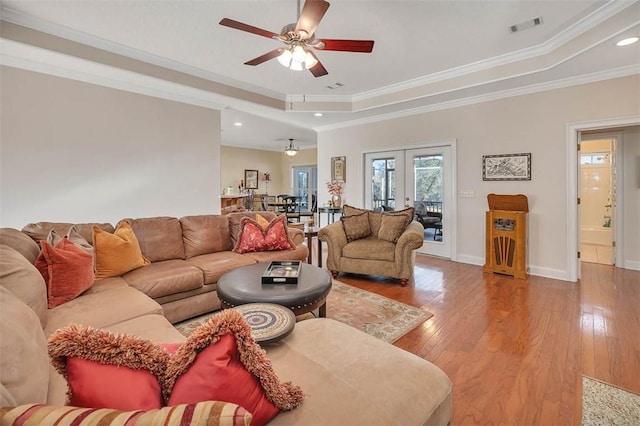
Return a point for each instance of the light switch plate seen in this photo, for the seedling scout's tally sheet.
(467, 194)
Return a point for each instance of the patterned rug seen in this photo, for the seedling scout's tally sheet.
(603, 404)
(376, 315)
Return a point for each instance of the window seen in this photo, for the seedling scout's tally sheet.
(594, 158)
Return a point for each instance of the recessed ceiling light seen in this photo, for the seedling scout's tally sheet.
(237, 124)
(627, 41)
(318, 114)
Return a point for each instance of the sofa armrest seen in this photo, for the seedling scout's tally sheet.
(296, 235)
(336, 239)
(411, 239)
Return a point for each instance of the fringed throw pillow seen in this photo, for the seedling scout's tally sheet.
(219, 361)
(253, 237)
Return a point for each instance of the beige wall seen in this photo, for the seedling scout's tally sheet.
(236, 160)
(77, 152)
(535, 123)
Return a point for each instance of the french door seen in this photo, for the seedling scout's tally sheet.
(421, 178)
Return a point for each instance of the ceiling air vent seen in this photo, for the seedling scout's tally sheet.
(526, 25)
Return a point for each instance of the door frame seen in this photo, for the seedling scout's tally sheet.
(573, 135)
(617, 203)
(452, 143)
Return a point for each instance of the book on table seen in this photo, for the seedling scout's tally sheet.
(282, 272)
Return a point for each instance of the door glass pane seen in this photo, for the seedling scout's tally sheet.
(383, 183)
(428, 194)
(304, 185)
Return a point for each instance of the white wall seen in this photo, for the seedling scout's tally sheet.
(76, 152)
(535, 123)
(631, 213)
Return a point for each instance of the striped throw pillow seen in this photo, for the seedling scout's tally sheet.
(206, 412)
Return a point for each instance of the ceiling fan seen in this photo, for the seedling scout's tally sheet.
(299, 38)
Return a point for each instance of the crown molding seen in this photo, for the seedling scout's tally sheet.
(608, 10)
(10, 15)
(524, 90)
(31, 58)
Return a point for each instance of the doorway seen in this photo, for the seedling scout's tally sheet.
(422, 178)
(597, 199)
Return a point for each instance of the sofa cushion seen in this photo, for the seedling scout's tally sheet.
(370, 248)
(214, 265)
(40, 231)
(20, 242)
(356, 226)
(300, 252)
(315, 356)
(160, 238)
(205, 234)
(166, 277)
(254, 237)
(19, 276)
(67, 270)
(211, 413)
(392, 226)
(102, 309)
(117, 253)
(24, 366)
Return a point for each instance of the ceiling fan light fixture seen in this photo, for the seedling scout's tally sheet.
(299, 54)
(310, 61)
(285, 58)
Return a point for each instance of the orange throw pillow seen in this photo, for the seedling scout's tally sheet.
(67, 270)
(117, 253)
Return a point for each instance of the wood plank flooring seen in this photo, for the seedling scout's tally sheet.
(515, 350)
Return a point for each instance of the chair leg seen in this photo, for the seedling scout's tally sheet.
(404, 282)
(334, 274)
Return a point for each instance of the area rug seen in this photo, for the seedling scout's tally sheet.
(376, 315)
(603, 404)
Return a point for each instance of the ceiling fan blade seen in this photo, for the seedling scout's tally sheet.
(248, 28)
(363, 46)
(318, 70)
(311, 15)
(264, 58)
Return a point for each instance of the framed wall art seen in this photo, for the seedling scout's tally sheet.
(339, 169)
(506, 167)
(251, 179)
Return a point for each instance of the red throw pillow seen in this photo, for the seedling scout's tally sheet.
(220, 360)
(253, 237)
(106, 370)
(67, 270)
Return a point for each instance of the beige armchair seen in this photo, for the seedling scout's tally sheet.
(373, 243)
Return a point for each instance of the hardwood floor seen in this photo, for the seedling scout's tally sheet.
(515, 350)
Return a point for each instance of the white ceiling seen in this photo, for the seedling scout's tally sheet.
(427, 54)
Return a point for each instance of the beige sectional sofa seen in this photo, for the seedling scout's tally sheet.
(348, 376)
(187, 255)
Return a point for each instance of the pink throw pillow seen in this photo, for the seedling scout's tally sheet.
(253, 237)
(67, 270)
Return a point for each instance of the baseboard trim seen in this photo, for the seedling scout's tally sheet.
(632, 264)
(472, 260)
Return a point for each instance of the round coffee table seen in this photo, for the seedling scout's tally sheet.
(243, 285)
(269, 322)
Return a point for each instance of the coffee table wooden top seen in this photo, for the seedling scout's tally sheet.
(243, 285)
